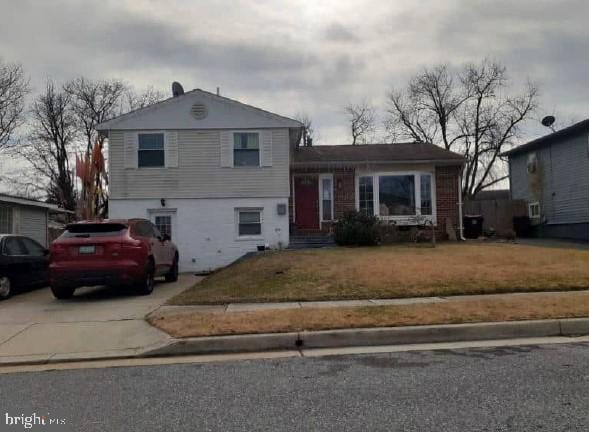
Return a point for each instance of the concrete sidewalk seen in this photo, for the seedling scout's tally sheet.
(96, 323)
(251, 307)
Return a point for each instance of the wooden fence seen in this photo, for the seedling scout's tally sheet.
(498, 214)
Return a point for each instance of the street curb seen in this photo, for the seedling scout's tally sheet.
(374, 337)
(226, 344)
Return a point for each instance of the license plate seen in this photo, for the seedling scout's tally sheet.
(84, 250)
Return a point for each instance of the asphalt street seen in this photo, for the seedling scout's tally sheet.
(525, 388)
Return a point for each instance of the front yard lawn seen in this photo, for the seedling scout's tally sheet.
(392, 271)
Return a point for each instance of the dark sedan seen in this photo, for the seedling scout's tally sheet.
(23, 263)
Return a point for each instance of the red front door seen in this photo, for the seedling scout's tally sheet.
(307, 202)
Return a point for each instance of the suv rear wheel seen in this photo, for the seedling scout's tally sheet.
(62, 292)
(146, 284)
(172, 275)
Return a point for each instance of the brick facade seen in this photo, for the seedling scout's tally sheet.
(447, 197)
(344, 186)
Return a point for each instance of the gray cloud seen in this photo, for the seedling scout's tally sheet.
(339, 33)
(316, 60)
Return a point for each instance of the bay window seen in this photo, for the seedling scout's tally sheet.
(396, 196)
(426, 194)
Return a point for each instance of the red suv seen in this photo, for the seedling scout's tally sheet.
(111, 252)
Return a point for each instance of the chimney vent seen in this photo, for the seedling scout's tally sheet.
(218, 91)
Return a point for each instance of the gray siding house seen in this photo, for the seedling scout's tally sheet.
(26, 217)
(551, 174)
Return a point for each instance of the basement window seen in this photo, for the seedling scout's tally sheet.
(249, 222)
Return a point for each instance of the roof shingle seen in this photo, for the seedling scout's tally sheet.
(401, 152)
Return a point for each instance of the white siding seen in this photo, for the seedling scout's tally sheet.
(32, 222)
(200, 173)
(205, 229)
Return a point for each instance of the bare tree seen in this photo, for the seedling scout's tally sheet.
(469, 112)
(13, 88)
(362, 120)
(51, 143)
(137, 100)
(308, 131)
(94, 102)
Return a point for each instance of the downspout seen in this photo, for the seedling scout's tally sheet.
(460, 224)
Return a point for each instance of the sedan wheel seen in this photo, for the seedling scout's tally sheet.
(5, 288)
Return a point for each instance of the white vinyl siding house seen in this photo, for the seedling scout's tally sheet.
(218, 177)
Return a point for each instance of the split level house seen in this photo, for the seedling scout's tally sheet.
(223, 178)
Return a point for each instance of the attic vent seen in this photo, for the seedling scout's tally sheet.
(199, 111)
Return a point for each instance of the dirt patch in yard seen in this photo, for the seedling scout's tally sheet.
(514, 308)
(392, 271)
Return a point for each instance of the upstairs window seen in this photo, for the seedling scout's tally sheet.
(246, 149)
(151, 153)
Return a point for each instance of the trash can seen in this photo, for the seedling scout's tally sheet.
(522, 226)
(473, 226)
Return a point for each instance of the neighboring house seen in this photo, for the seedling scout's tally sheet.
(219, 175)
(26, 217)
(551, 174)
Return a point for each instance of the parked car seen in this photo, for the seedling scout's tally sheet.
(23, 263)
(111, 252)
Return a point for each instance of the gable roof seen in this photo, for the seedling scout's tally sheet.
(176, 113)
(4, 198)
(376, 153)
(554, 137)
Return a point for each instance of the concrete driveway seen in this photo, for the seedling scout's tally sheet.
(98, 322)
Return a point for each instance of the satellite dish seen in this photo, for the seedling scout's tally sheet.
(548, 121)
(177, 89)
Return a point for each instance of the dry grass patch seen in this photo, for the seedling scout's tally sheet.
(541, 306)
(392, 271)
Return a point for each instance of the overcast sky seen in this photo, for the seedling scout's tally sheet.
(290, 56)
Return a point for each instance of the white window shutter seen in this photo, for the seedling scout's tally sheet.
(171, 146)
(130, 150)
(266, 148)
(226, 149)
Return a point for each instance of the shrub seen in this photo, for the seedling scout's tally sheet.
(356, 229)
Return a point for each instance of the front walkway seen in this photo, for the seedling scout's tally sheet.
(250, 307)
